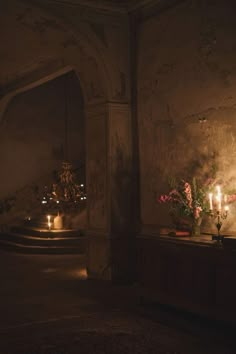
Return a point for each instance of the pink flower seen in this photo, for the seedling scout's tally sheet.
(164, 198)
(174, 192)
(188, 192)
(231, 198)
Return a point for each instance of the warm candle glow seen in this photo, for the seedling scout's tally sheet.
(210, 201)
(217, 213)
(218, 197)
(49, 221)
(58, 222)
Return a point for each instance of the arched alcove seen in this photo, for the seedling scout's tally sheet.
(41, 127)
(46, 48)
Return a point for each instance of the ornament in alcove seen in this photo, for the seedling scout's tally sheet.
(66, 194)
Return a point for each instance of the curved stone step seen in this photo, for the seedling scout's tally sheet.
(18, 247)
(44, 233)
(41, 241)
(34, 240)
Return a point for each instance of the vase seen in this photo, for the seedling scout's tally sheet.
(196, 227)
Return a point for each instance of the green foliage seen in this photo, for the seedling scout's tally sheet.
(186, 198)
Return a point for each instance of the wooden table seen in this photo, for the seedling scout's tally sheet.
(192, 273)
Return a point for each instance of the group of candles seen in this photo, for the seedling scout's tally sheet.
(57, 223)
(218, 198)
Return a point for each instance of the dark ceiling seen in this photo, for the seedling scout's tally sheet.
(111, 4)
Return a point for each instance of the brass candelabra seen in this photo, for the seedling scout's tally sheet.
(219, 216)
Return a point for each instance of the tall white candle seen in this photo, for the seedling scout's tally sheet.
(49, 221)
(218, 197)
(218, 189)
(210, 201)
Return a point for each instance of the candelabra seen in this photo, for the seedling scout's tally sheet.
(215, 202)
(219, 216)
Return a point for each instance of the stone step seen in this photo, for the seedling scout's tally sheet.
(34, 240)
(29, 249)
(41, 241)
(44, 233)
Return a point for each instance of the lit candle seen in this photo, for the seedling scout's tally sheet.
(210, 201)
(226, 208)
(49, 221)
(218, 197)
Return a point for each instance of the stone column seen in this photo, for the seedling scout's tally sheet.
(109, 191)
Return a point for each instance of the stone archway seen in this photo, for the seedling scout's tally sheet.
(108, 127)
(34, 143)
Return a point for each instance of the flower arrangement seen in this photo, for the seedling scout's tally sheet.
(188, 203)
(186, 199)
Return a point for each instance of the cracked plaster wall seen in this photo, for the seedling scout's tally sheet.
(186, 73)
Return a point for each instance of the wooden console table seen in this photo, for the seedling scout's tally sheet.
(193, 274)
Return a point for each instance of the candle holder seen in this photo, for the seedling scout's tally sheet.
(219, 216)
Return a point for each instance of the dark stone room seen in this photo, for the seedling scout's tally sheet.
(118, 176)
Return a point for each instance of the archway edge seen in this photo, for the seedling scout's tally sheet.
(5, 101)
(85, 54)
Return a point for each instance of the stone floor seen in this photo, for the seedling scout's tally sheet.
(48, 307)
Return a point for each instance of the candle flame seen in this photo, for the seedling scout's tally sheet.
(49, 221)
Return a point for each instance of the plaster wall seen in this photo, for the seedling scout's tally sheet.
(39, 38)
(186, 75)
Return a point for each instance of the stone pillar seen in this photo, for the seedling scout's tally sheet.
(109, 192)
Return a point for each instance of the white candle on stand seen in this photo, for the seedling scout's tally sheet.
(210, 201)
(49, 221)
(218, 197)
